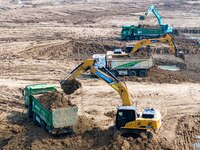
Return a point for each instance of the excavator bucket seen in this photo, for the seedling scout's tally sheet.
(70, 87)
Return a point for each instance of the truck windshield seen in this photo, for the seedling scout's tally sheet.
(125, 29)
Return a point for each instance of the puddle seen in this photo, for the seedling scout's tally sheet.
(171, 68)
(196, 145)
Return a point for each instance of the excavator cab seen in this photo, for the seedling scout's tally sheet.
(128, 48)
(124, 115)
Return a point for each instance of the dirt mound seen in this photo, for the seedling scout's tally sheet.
(72, 50)
(55, 99)
(92, 112)
(157, 75)
(179, 31)
(70, 87)
(131, 143)
(168, 60)
(83, 125)
(193, 67)
(188, 46)
(89, 136)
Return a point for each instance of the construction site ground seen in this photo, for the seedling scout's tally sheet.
(41, 41)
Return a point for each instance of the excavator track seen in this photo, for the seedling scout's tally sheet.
(133, 132)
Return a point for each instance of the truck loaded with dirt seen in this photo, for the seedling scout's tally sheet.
(42, 41)
(50, 108)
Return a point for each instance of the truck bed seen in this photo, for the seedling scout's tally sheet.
(130, 63)
(57, 118)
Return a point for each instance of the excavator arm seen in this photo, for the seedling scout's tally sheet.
(167, 39)
(153, 10)
(127, 120)
(108, 77)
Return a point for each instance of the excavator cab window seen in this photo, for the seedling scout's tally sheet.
(117, 51)
(128, 49)
(124, 116)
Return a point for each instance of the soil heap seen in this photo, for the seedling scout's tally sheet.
(55, 99)
(157, 75)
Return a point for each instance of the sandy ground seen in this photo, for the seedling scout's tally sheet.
(40, 42)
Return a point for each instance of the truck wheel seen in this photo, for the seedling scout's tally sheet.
(70, 132)
(128, 38)
(142, 73)
(42, 124)
(132, 73)
(114, 72)
(30, 113)
(34, 117)
(25, 106)
(139, 37)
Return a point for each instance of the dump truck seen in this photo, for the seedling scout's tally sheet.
(120, 63)
(54, 121)
(132, 32)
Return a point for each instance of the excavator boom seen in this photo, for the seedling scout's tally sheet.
(167, 39)
(153, 10)
(108, 77)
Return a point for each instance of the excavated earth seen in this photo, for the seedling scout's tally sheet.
(42, 41)
(55, 99)
(89, 136)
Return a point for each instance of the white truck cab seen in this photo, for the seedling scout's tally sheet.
(101, 59)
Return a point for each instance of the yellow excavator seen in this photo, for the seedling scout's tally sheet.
(166, 39)
(128, 120)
